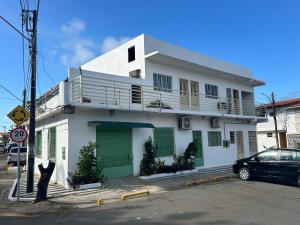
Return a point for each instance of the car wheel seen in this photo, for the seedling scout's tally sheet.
(244, 173)
(298, 181)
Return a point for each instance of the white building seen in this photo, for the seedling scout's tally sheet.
(288, 125)
(147, 87)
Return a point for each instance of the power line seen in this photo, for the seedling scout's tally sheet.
(44, 69)
(12, 26)
(10, 92)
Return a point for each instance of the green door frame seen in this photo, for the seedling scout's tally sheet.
(197, 138)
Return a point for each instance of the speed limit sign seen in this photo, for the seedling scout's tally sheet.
(18, 134)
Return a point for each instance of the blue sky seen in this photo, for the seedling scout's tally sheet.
(262, 35)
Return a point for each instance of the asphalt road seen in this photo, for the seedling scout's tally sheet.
(228, 202)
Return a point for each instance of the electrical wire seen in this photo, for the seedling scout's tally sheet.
(44, 69)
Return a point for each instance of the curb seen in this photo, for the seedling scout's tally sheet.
(14, 199)
(209, 180)
(135, 194)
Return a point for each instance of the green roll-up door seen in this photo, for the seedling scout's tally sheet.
(114, 151)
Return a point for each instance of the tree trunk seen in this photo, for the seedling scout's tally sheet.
(42, 185)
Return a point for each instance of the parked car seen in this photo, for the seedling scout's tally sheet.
(2, 149)
(11, 146)
(12, 157)
(281, 164)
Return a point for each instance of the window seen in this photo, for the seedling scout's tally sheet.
(131, 54)
(214, 138)
(38, 148)
(136, 94)
(269, 155)
(211, 91)
(269, 134)
(52, 143)
(290, 155)
(162, 82)
(164, 141)
(232, 137)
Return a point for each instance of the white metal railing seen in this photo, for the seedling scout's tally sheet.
(124, 95)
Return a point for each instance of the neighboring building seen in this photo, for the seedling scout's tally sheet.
(288, 125)
(143, 88)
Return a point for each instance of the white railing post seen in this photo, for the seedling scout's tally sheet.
(159, 101)
(129, 99)
(119, 98)
(142, 96)
(105, 96)
(81, 91)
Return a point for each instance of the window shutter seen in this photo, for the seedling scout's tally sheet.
(164, 141)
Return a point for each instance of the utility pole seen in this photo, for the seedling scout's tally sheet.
(31, 141)
(275, 119)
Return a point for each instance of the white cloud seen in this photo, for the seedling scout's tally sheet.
(73, 27)
(74, 49)
(77, 52)
(110, 43)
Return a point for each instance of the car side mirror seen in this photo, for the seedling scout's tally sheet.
(256, 159)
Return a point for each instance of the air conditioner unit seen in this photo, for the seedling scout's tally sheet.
(41, 110)
(135, 73)
(214, 122)
(184, 123)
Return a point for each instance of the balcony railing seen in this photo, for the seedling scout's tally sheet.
(112, 94)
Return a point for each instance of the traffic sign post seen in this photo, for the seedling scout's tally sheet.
(18, 135)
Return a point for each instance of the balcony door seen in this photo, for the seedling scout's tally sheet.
(233, 101)
(184, 94)
(195, 96)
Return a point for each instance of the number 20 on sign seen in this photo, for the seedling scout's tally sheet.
(18, 134)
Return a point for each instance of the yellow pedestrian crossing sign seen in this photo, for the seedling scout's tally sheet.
(18, 115)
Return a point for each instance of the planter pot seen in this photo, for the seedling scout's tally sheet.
(89, 186)
(165, 175)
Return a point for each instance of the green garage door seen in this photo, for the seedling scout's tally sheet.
(113, 151)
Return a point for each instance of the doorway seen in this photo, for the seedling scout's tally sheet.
(282, 139)
(184, 94)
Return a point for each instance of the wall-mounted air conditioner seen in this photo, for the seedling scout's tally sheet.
(135, 73)
(184, 123)
(214, 122)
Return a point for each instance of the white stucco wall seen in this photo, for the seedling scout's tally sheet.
(81, 133)
(116, 61)
(59, 121)
(179, 73)
(152, 44)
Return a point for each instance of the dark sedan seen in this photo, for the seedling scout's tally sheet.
(272, 163)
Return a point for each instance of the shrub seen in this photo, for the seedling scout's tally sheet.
(148, 164)
(87, 168)
(74, 180)
(298, 145)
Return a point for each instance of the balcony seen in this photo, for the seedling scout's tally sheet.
(105, 93)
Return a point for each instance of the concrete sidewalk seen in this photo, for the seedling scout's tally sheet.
(112, 189)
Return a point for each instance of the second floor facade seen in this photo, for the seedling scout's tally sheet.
(146, 74)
